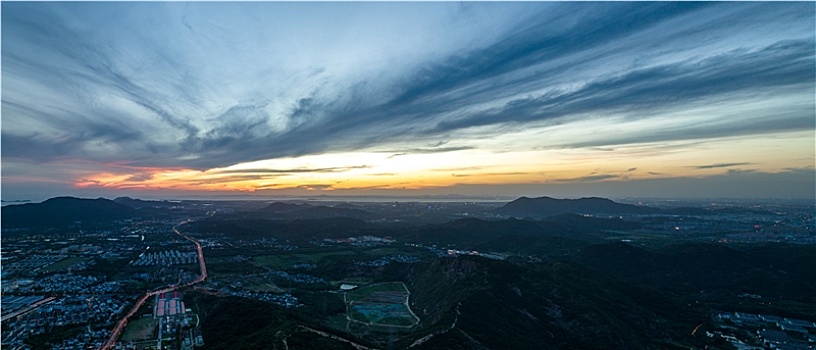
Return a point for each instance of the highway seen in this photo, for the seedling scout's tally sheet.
(28, 309)
(117, 331)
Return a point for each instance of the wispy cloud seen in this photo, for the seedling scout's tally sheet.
(429, 150)
(663, 87)
(589, 178)
(721, 165)
(287, 171)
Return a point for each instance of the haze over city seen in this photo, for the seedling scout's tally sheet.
(477, 99)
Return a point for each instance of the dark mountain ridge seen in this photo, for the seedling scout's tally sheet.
(554, 235)
(546, 206)
(61, 211)
(136, 203)
(542, 207)
(499, 305)
(691, 267)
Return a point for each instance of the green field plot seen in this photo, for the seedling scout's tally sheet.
(141, 329)
(285, 261)
(397, 250)
(229, 268)
(257, 284)
(362, 293)
(382, 314)
(62, 264)
(383, 304)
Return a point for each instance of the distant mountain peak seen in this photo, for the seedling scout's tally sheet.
(64, 198)
(548, 206)
(140, 203)
(65, 210)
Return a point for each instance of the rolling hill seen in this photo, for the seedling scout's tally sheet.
(61, 211)
(477, 303)
(546, 206)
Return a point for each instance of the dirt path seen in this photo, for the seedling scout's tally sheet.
(338, 338)
(429, 336)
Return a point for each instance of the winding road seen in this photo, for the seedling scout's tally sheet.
(117, 331)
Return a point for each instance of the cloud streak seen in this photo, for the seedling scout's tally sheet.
(288, 171)
(663, 87)
(721, 165)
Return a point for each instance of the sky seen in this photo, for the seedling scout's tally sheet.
(615, 99)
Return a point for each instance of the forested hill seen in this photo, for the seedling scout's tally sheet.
(60, 211)
(547, 206)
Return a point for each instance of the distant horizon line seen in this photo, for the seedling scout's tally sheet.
(388, 198)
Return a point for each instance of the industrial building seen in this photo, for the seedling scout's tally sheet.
(168, 304)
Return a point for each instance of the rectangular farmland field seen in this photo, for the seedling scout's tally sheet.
(383, 304)
(382, 314)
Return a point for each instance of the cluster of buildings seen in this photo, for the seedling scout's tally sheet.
(83, 248)
(91, 339)
(40, 315)
(770, 236)
(494, 256)
(781, 340)
(265, 242)
(285, 299)
(173, 317)
(59, 281)
(192, 338)
(63, 283)
(439, 251)
(738, 224)
(388, 259)
(304, 266)
(761, 320)
(362, 241)
(772, 331)
(295, 277)
(442, 251)
(169, 304)
(33, 263)
(166, 258)
(13, 303)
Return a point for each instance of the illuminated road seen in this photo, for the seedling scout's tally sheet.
(117, 331)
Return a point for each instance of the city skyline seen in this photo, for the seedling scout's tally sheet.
(478, 99)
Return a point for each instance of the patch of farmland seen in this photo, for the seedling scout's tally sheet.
(383, 304)
(382, 314)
